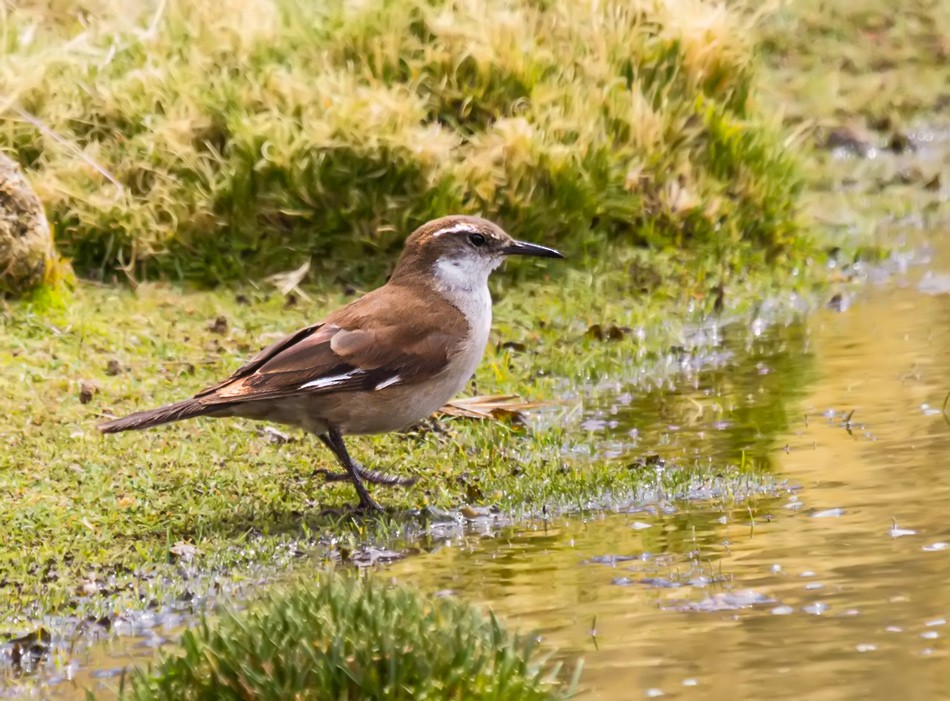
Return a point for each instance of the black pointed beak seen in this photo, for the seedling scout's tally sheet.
(523, 248)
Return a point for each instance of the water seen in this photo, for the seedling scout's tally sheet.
(835, 588)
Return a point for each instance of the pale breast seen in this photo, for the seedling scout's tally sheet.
(476, 306)
(398, 406)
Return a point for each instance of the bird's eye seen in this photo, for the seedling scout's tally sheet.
(477, 240)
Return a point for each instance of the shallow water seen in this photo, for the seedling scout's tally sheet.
(837, 586)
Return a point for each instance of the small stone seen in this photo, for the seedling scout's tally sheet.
(838, 303)
(607, 333)
(219, 325)
(87, 390)
(900, 142)
(27, 256)
(851, 139)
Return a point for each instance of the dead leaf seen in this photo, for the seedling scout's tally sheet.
(275, 436)
(497, 407)
(289, 281)
(474, 512)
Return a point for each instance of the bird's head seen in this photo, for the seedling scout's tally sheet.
(461, 251)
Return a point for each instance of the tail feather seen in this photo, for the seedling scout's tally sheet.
(185, 409)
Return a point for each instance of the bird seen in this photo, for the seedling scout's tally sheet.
(381, 363)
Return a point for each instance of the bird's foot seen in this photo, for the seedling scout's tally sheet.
(368, 505)
(371, 476)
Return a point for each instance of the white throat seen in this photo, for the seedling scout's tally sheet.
(464, 283)
(469, 273)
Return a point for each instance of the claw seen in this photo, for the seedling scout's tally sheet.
(367, 505)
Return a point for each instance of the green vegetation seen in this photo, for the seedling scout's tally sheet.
(835, 61)
(863, 78)
(217, 142)
(340, 638)
(210, 141)
(101, 512)
(206, 143)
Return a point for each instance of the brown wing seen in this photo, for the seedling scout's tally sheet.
(376, 342)
(262, 357)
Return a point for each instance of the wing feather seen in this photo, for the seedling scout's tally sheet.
(372, 344)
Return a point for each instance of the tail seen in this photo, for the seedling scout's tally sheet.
(186, 409)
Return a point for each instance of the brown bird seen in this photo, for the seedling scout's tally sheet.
(381, 363)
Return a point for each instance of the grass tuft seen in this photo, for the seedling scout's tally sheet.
(217, 142)
(342, 638)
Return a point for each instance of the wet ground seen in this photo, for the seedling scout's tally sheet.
(825, 577)
(834, 587)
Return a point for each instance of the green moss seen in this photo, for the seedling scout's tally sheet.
(340, 638)
(248, 137)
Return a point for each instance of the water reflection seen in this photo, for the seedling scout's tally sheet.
(729, 412)
(835, 590)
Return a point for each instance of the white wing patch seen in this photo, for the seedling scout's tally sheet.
(332, 381)
(456, 228)
(387, 383)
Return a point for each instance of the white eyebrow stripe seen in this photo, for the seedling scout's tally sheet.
(331, 381)
(386, 383)
(457, 228)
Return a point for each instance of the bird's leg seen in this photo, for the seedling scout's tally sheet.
(371, 476)
(333, 439)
